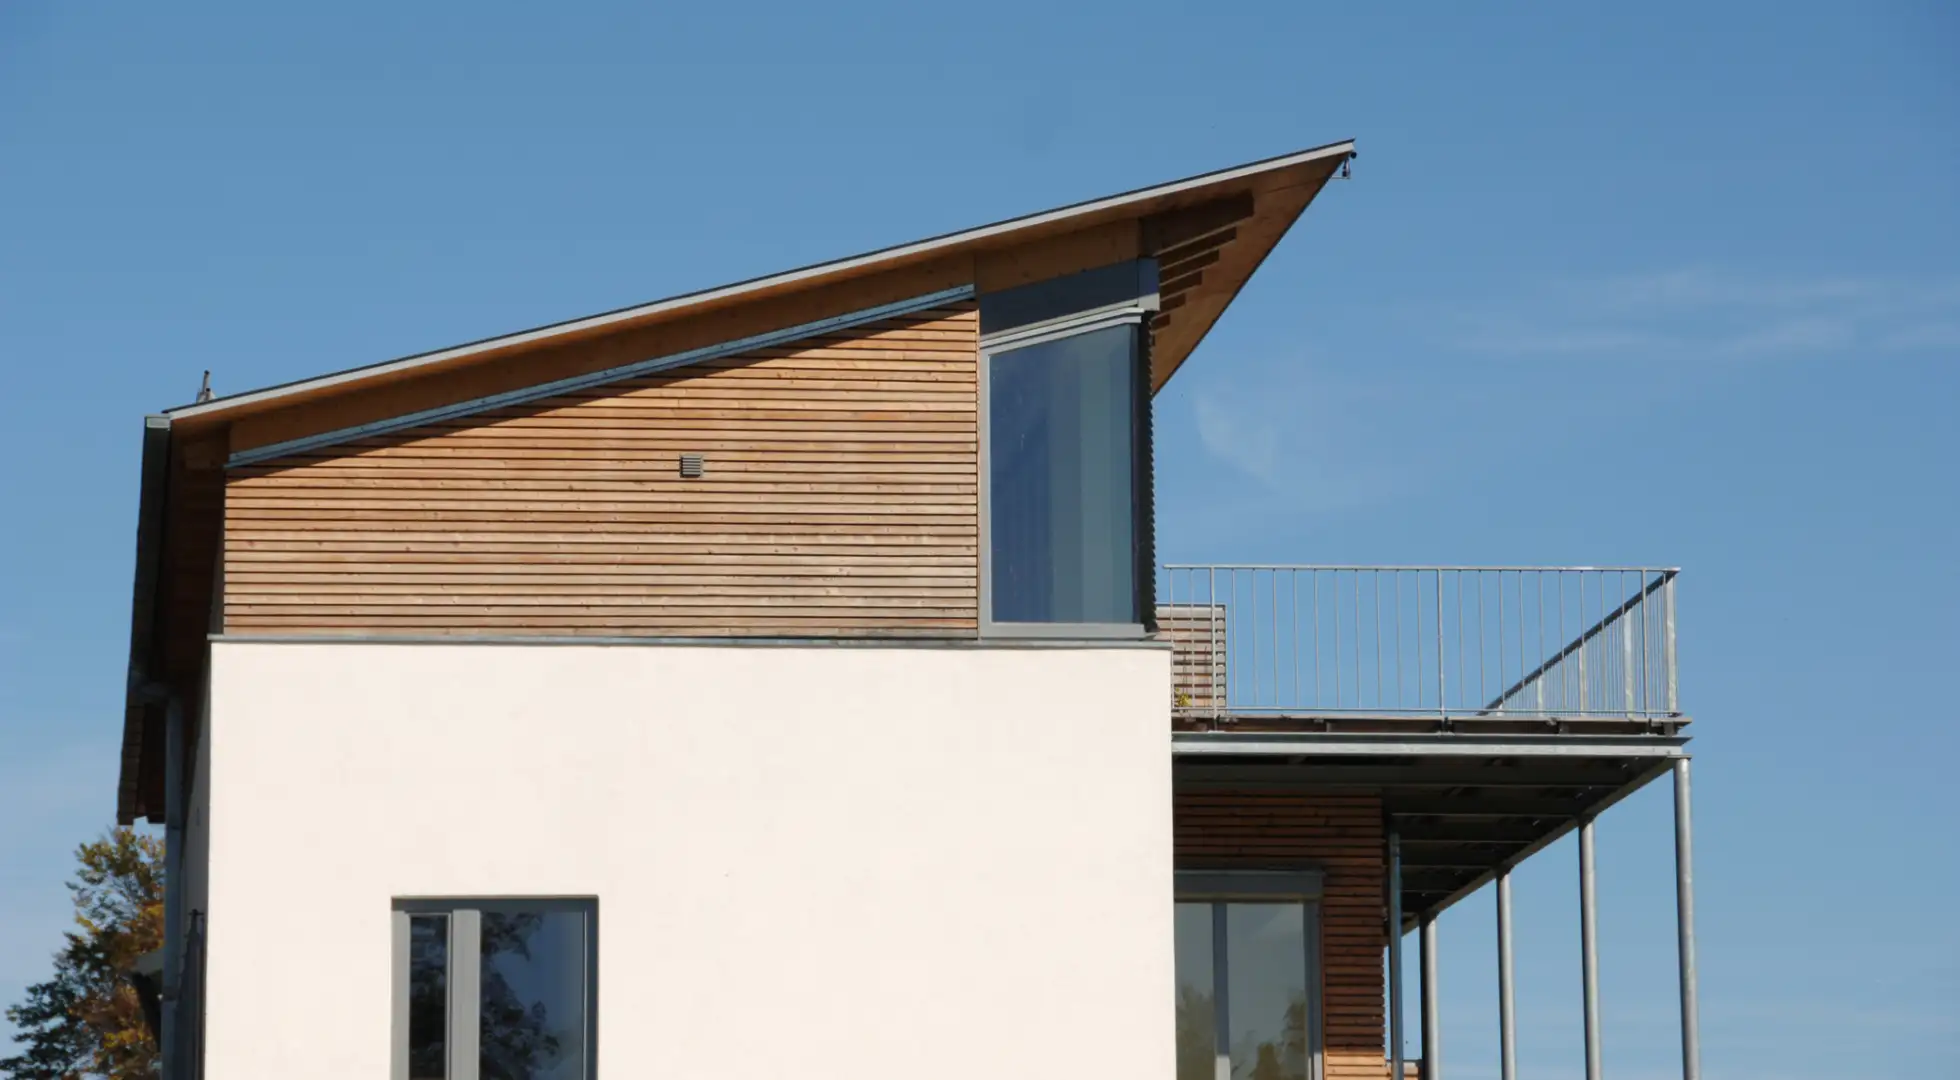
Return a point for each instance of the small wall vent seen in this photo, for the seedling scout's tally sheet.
(692, 465)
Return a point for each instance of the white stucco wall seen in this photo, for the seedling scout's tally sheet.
(858, 863)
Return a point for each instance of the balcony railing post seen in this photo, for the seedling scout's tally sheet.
(1214, 642)
(1585, 691)
(1626, 650)
(1667, 609)
(1646, 658)
(1539, 578)
(1442, 670)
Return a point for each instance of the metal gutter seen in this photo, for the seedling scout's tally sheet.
(915, 250)
(618, 641)
(591, 379)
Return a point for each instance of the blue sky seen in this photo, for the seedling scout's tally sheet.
(1666, 285)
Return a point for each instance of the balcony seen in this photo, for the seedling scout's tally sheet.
(1490, 709)
(1411, 649)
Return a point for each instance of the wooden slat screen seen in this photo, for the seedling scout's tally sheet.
(1197, 636)
(840, 498)
(1340, 834)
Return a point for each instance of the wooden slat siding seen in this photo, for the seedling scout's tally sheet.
(840, 498)
(1197, 636)
(1340, 834)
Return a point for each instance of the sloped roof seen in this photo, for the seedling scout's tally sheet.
(1287, 182)
(1208, 233)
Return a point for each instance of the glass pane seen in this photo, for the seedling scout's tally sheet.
(1061, 442)
(428, 997)
(1197, 1043)
(534, 985)
(1266, 990)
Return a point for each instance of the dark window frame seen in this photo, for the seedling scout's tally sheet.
(1133, 289)
(1220, 890)
(464, 975)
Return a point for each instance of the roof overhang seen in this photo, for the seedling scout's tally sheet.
(1272, 193)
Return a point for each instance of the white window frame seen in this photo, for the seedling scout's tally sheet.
(465, 973)
(1130, 312)
(1221, 889)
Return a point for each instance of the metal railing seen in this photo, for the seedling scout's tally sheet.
(1419, 641)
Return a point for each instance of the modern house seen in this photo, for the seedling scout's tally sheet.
(780, 679)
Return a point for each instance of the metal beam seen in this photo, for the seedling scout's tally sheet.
(1555, 833)
(1332, 744)
(1684, 901)
(1537, 774)
(1463, 861)
(1402, 807)
(1421, 833)
(1432, 879)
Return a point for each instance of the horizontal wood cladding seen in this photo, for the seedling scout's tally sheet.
(839, 497)
(1342, 836)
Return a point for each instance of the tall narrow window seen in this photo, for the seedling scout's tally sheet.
(428, 997)
(495, 989)
(1064, 455)
(1248, 995)
(1197, 999)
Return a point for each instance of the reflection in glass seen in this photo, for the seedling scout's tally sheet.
(428, 997)
(533, 1007)
(1061, 492)
(1266, 988)
(1197, 1043)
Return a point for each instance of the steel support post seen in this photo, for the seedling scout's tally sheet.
(1589, 947)
(1684, 906)
(1507, 1026)
(1432, 1015)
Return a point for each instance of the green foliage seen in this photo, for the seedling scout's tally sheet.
(86, 1021)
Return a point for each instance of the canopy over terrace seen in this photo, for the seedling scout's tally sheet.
(1465, 806)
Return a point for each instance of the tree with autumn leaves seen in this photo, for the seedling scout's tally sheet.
(87, 1020)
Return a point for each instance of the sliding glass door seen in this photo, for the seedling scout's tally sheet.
(1248, 984)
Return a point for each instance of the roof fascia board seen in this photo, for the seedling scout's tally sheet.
(153, 490)
(901, 253)
(591, 379)
(1192, 744)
